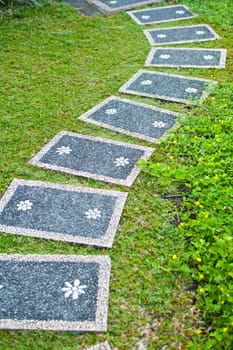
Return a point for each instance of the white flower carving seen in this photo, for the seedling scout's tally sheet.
(180, 12)
(93, 213)
(164, 57)
(161, 35)
(73, 290)
(63, 150)
(208, 57)
(146, 82)
(200, 32)
(191, 90)
(1, 286)
(113, 2)
(24, 205)
(121, 161)
(145, 17)
(111, 111)
(158, 124)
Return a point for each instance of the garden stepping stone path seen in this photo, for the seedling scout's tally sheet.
(84, 7)
(131, 118)
(189, 58)
(168, 87)
(54, 292)
(102, 346)
(161, 14)
(61, 212)
(179, 35)
(92, 157)
(118, 5)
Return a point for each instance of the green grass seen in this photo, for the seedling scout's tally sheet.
(55, 65)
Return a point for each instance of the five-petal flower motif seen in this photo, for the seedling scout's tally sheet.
(165, 57)
(180, 12)
(200, 32)
(208, 57)
(111, 111)
(113, 2)
(121, 161)
(161, 35)
(146, 82)
(158, 124)
(93, 213)
(24, 205)
(1, 286)
(145, 17)
(74, 290)
(191, 90)
(63, 150)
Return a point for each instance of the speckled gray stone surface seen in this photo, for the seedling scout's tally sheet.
(161, 14)
(118, 5)
(96, 158)
(101, 346)
(54, 292)
(131, 118)
(169, 87)
(176, 35)
(61, 212)
(190, 58)
(85, 7)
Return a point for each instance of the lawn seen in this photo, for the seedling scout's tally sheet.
(55, 65)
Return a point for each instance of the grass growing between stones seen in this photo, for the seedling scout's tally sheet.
(55, 65)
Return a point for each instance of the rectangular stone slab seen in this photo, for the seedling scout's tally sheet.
(132, 118)
(187, 58)
(118, 5)
(54, 292)
(101, 346)
(161, 14)
(168, 87)
(61, 212)
(92, 157)
(178, 35)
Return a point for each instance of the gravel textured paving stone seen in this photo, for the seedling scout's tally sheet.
(54, 292)
(102, 346)
(161, 14)
(187, 58)
(168, 87)
(132, 118)
(92, 157)
(118, 5)
(179, 35)
(85, 7)
(61, 212)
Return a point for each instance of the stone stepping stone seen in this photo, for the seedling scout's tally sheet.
(170, 87)
(131, 118)
(102, 346)
(162, 14)
(178, 35)
(118, 5)
(61, 212)
(92, 157)
(54, 292)
(187, 58)
(85, 7)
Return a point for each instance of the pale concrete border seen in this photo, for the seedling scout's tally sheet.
(135, 18)
(151, 40)
(222, 61)
(99, 325)
(85, 117)
(127, 182)
(105, 241)
(129, 6)
(125, 88)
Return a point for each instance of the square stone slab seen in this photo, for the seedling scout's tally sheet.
(131, 118)
(178, 35)
(170, 87)
(92, 157)
(187, 58)
(102, 346)
(61, 212)
(161, 14)
(118, 5)
(54, 292)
